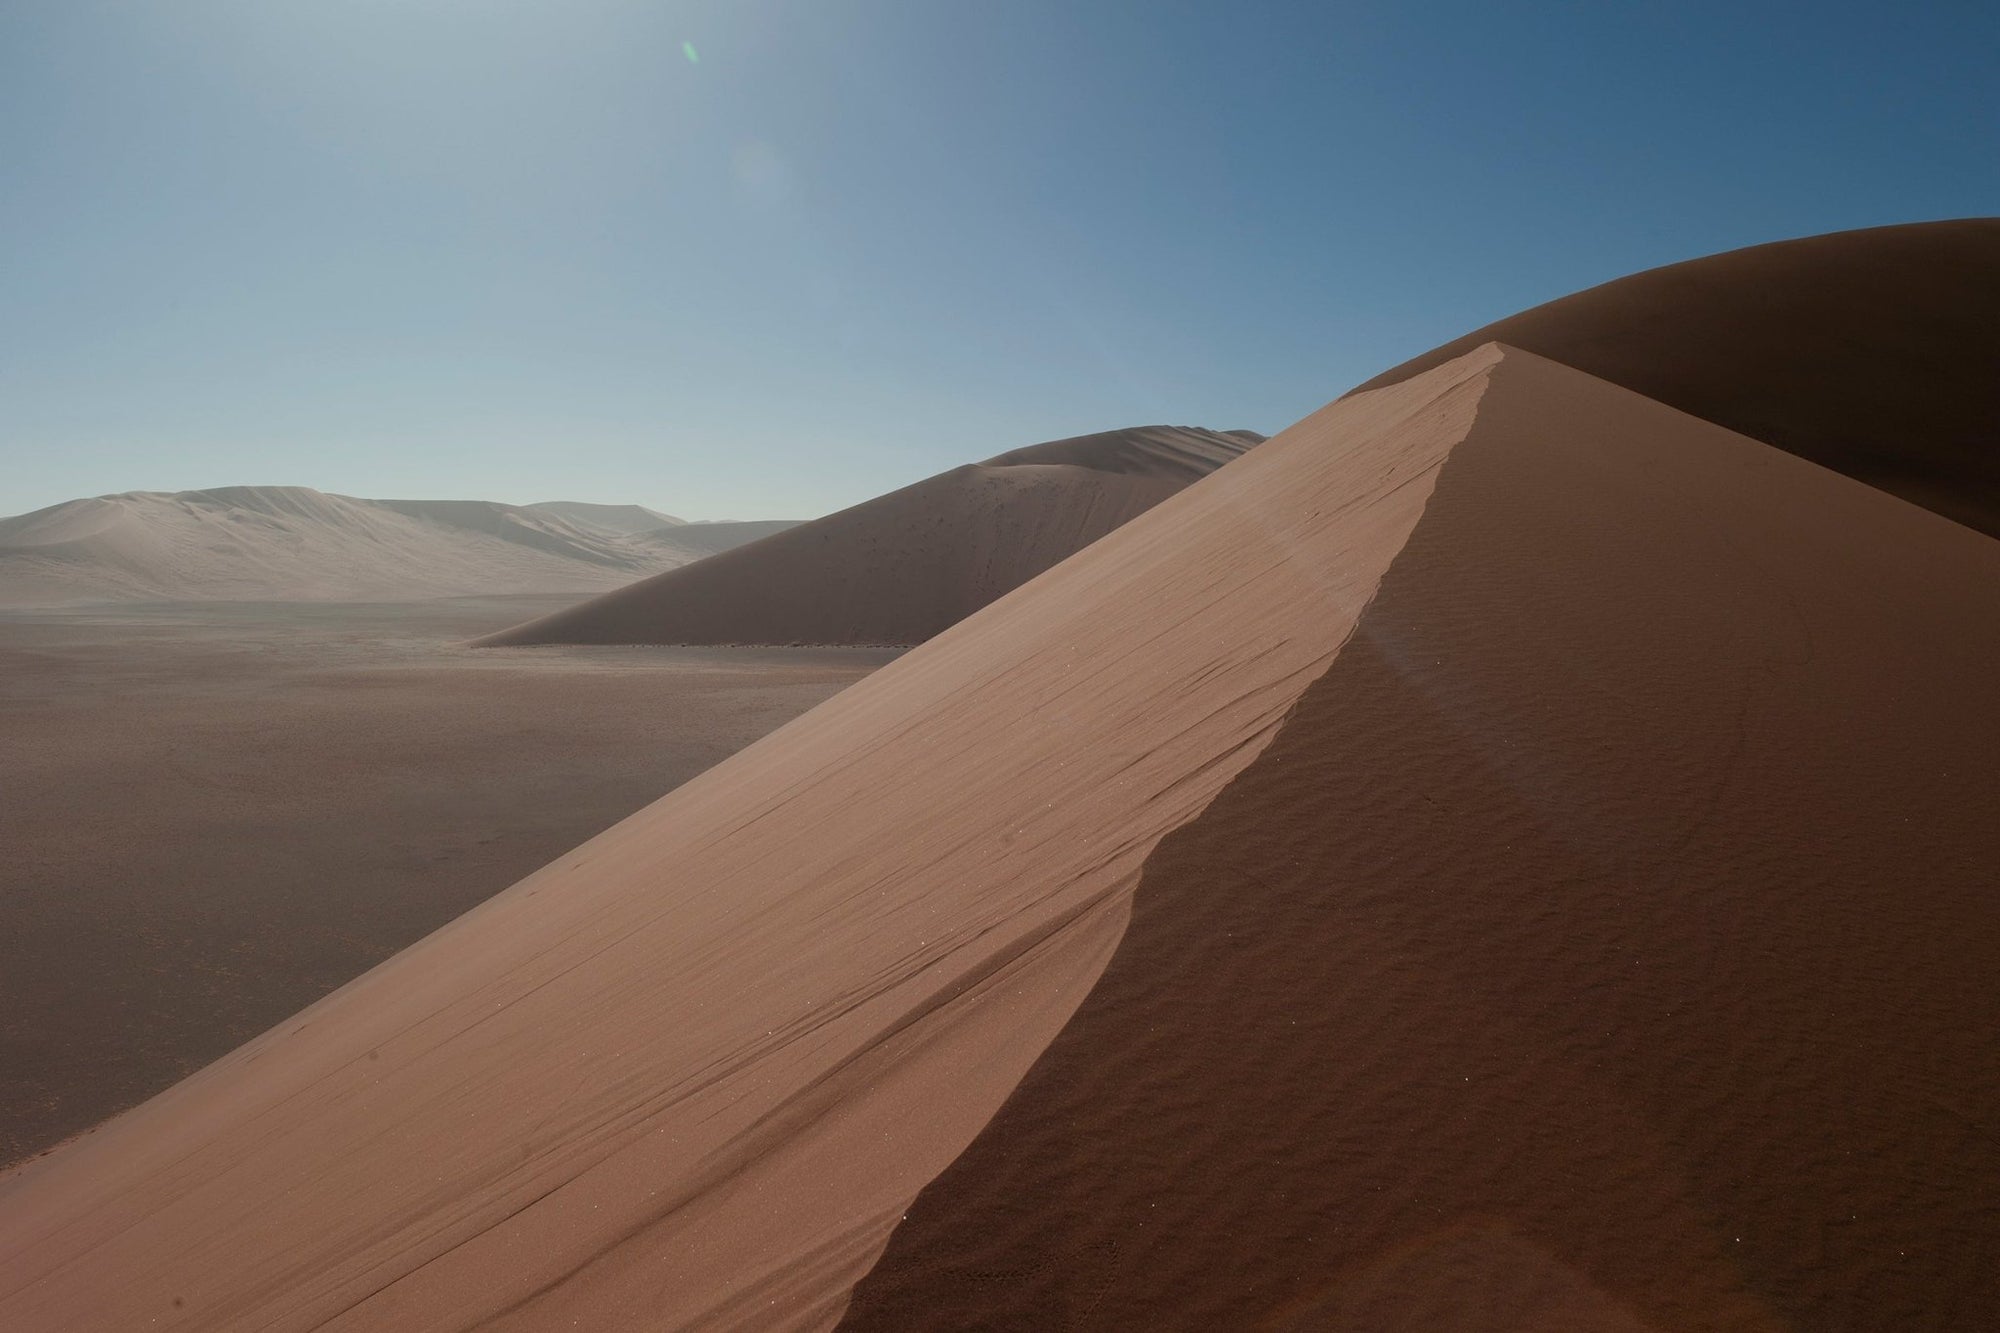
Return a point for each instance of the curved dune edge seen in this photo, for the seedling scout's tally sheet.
(696, 1069)
(903, 567)
(1605, 941)
(1869, 352)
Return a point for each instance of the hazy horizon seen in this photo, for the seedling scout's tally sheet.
(769, 259)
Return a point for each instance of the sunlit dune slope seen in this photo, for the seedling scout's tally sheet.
(904, 566)
(1606, 941)
(1875, 353)
(698, 1068)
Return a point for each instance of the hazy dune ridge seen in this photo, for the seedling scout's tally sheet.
(904, 566)
(292, 543)
(1875, 353)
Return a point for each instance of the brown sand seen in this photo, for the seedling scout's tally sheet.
(904, 566)
(1875, 353)
(291, 543)
(1607, 940)
(215, 814)
(698, 1067)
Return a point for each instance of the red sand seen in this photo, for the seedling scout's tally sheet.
(1601, 936)
(698, 1067)
(1875, 353)
(1607, 940)
(904, 566)
(216, 813)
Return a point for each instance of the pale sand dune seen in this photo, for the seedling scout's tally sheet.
(611, 518)
(292, 543)
(698, 1067)
(1875, 353)
(1606, 941)
(904, 566)
(698, 541)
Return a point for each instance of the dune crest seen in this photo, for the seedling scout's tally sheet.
(1604, 942)
(902, 567)
(696, 1069)
(1869, 352)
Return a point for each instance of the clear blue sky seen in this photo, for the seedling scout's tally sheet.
(527, 251)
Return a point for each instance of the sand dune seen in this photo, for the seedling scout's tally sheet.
(1869, 352)
(1606, 941)
(610, 518)
(699, 1066)
(291, 543)
(698, 541)
(904, 566)
(1505, 853)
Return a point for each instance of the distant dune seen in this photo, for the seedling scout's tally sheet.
(904, 566)
(291, 543)
(1875, 353)
(1504, 854)
(698, 541)
(611, 518)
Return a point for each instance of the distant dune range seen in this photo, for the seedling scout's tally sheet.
(906, 565)
(292, 543)
(1875, 353)
(1505, 854)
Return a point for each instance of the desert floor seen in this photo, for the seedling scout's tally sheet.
(215, 813)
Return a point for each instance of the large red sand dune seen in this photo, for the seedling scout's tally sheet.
(698, 1067)
(1596, 931)
(1875, 353)
(1607, 940)
(292, 543)
(904, 566)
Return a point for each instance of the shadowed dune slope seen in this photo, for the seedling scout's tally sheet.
(1870, 352)
(697, 1069)
(1606, 940)
(293, 543)
(904, 566)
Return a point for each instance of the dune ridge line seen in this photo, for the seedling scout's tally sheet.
(696, 1069)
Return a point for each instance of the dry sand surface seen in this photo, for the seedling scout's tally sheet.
(1606, 941)
(214, 814)
(904, 566)
(1875, 353)
(699, 1066)
(292, 543)
(1504, 854)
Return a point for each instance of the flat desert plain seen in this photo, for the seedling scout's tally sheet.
(218, 812)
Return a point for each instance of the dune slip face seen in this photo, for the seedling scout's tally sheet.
(694, 1072)
(904, 566)
(1606, 941)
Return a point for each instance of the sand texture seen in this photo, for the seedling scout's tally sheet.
(904, 566)
(1875, 353)
(696, 1069)
(291, 543)
(215, 813)
(1606, 941)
